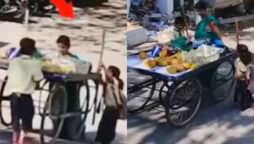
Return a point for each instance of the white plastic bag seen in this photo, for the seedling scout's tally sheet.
(203, 55)
(166, 35)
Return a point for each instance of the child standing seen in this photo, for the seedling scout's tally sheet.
(23, 73)
(107, 126)
(243, 62)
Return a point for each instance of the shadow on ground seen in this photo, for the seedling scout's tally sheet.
(220, 123)
(120, 139)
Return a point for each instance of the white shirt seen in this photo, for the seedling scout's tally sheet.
(177, 34)
(241, 68)
(23, 73)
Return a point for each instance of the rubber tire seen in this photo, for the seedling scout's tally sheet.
(168, 99)
(4, 122)
(223, 97)
(45, 113)
(145, 102)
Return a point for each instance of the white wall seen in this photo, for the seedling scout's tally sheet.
(165, 6)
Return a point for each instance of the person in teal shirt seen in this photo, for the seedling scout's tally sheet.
(208, 27)
(63, 43)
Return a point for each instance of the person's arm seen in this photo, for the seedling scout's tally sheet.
(242, 76)
(107, 75)
(38, 55)
(102, 79)
(215, 29)
(37, 73)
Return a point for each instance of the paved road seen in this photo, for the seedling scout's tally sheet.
(85, 32)
(214, 124)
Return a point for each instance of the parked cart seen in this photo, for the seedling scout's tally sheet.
(180, 94)
(53, 101)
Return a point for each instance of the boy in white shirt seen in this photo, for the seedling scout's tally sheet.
(243, 70)
(23, 74)
(179, 28)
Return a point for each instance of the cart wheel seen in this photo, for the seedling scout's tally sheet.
(222, 82)
(55, 106)
(163, 93)
(161, 96)
(137, 100)
(84, 107)
(5, 101)
(183, 102)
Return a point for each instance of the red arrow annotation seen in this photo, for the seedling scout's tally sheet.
(65, 8)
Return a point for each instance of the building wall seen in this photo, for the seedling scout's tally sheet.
(165, 6)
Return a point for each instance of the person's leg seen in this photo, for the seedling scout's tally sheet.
(241, 95)
(21, 137)
(70, 129)
(102, 127)
(15, 117)
(236, 95)
(107, 127)
(27, 110)
(114, 114)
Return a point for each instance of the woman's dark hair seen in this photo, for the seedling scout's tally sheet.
(64, 40)
(27, 46)
(116, 74)
(244, 54)
(202, 5)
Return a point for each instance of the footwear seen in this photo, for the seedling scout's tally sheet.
(21, 137)
(15, 137)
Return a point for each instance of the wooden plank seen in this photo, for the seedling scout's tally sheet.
(233, 20)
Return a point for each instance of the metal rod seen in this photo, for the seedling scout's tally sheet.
(184, 16)
(26, 17)
(102, 44)
(237, 32)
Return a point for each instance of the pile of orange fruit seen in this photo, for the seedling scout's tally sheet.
(173, 64)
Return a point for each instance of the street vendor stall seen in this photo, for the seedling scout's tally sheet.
(54, 104)
(181, 76)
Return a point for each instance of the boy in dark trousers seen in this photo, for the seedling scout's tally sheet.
(23, 74)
